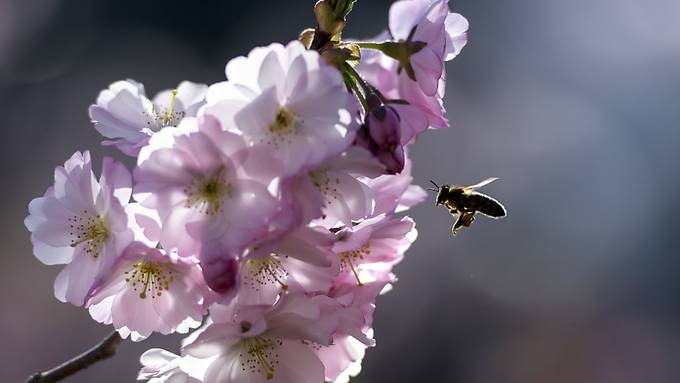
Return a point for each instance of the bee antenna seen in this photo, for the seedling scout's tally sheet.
(436, 187)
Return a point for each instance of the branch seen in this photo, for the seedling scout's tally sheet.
(104, 350)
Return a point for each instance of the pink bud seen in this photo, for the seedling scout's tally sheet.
(381, 135)
(220, 274)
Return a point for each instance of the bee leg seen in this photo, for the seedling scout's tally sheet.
(465, 219)
(459, 223)
(468, 218)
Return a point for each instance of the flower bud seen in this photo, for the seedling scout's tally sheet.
(330, 15)
(381, 134)
(220, 274)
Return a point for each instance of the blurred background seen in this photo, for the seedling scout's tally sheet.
(574, 104)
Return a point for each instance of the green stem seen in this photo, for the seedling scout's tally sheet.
(371, 45)
(366, 86)
(352, 84)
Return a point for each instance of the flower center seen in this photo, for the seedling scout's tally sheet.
(266, 271)
(284, 127)
(349, 258)
(162, 117)
(90, 231)
(149, 277)
(208, 194)
(259, 355)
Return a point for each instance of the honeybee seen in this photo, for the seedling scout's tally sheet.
(464, 201)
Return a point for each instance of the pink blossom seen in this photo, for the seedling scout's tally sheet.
(195, 176)
(374, 245)
(125, 115)
(299, 262)
(429, 22)
(81, 223)
(288, 100)
(445, 35)
(259, 344)
(335, 187)
(150, 291)
(420, 110)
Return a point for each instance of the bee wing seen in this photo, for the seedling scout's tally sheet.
(481, 184)
(486, 205)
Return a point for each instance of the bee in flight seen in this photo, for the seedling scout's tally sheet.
(464, 201)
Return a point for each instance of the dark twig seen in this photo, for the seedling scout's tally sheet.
(104, 350)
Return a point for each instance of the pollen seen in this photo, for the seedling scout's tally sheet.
(283, 128)
(89, 231)
(350, 259)
(208, 194)
(259, 355)
(266, 271)
(150, 278)
(326, 185)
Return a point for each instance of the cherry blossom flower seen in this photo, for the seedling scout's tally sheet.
(259, 344)
(444, 34)
(125, 115)
(150, 291)
(299, 262)
(289, 100)
(336, 188)
(419, 110)
(374, 245)
(81, 223)
(430, 35)
(195, 177)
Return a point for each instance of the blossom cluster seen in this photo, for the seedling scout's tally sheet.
(263, 211)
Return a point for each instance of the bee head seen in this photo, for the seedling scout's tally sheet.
(441, 191)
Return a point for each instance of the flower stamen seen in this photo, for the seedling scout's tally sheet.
(152, 277)
(284, 127)
(326, 185)
(265, 271)
(92, 231)
(260, 355)
(166, 117)
(208, 194)
(349, 257)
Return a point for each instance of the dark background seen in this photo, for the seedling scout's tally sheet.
(574, 104)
